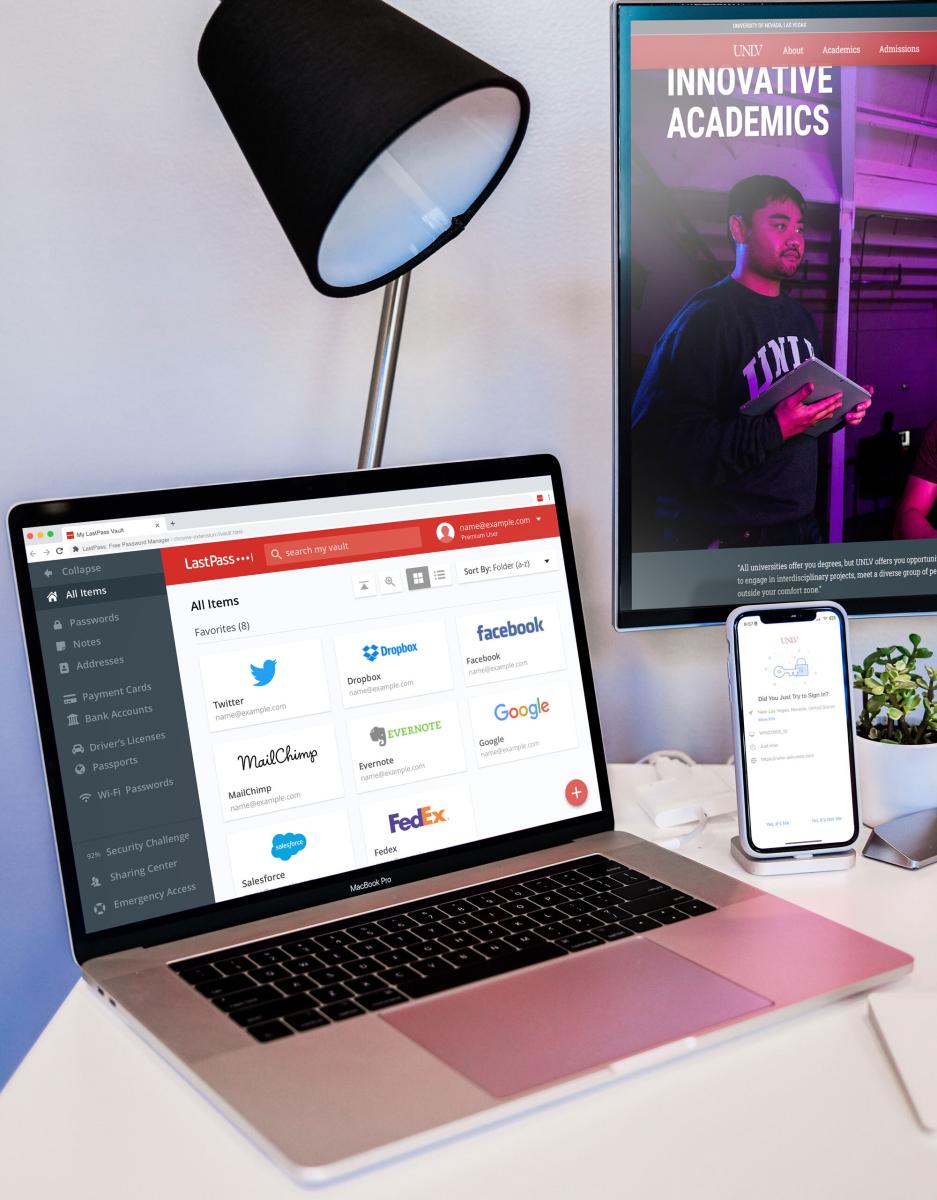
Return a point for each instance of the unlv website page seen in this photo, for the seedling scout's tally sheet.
(245, 713)
(776, 208)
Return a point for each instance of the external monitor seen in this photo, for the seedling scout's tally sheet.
(775, 200)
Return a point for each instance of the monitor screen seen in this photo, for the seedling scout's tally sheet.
(253, 694)
(776, 234)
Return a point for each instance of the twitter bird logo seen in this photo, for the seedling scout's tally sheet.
(263, 675)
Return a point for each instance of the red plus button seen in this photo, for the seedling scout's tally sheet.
(576, 792)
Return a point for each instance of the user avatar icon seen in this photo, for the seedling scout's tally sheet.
(445, 533)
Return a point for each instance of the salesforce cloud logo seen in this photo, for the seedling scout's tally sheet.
(285, 845)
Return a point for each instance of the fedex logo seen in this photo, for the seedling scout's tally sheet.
(423, 816)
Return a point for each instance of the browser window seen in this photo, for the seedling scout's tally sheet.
(255, 698)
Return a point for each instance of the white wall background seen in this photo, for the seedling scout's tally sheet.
(156, 329)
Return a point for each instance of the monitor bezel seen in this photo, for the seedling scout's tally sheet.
(228, 913)
(624, 617)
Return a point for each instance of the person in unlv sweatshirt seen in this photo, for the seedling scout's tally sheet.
(706, 475)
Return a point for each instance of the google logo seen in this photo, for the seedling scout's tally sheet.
(532, 710)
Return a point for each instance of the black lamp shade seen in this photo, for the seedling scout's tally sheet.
(374, 139)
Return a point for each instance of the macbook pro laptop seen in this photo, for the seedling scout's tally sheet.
(333, 816)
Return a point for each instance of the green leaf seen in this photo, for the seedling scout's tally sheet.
(924, 653)
(894, 713)
(915, 639)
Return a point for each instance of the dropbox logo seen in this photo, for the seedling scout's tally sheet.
(373, 652)
(285, 845)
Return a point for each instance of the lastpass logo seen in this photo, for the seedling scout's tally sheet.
(211, 561)
(421, 818)
(487, 633)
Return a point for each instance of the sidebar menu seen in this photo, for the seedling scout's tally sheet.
(121, 736)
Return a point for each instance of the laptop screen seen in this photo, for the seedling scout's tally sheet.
(261, 695)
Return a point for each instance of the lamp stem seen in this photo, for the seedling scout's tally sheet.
(382, 374)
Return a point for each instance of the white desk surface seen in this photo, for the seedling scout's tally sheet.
(809, 1108)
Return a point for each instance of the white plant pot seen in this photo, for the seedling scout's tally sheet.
(895, 780)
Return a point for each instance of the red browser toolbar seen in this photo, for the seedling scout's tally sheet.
(356, 543)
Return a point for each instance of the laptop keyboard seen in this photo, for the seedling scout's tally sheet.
(310, 978)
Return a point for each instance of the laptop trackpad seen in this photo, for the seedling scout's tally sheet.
(532, 1027)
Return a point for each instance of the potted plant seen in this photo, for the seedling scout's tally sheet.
(897, 730)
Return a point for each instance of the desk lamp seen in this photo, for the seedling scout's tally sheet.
(374, 140)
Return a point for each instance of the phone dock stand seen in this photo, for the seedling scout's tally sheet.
(793, 864)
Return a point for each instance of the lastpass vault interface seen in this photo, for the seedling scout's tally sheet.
(293, 693)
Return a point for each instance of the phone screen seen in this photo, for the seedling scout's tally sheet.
(796, 729)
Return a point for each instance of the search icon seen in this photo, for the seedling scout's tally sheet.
(275, 553)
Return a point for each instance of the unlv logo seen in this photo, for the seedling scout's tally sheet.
(747, 49)
(776, 358)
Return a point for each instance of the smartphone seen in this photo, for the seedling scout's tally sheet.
(795, 770)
